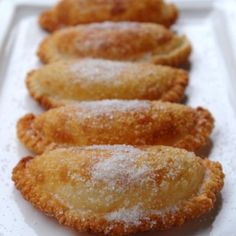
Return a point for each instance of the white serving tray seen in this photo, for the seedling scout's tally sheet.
(210, 27)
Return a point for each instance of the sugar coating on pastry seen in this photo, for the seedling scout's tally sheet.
(64, 83)
(74, 12)
(132, 122)
(119, 190)
(123, 41)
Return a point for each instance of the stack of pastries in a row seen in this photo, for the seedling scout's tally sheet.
(115, 152)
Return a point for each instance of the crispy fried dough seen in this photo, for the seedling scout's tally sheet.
(119, 190)
(74, 12)
(64, 83)
(132, 122)
(125, 41)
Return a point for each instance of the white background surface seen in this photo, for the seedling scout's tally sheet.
(213, 75)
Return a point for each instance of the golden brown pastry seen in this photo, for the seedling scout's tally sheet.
(74, 12)
(120, 190)
(124, 41)
(117, 122)
(64, 83)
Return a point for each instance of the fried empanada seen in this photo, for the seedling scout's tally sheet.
(117, 122)
(74, 12)
(64, 83)
(120, 190)
(124, 41)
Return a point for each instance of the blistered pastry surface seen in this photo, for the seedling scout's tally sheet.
(74, 12)
(65, 83)
(117, 190)
(150, 43)
(117, 122)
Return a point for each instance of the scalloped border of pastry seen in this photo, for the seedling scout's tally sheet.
(174, 94)
(201, 132)
(48, 53)
(188, 209)
(50, 23)
(177, 57)
(191, 142)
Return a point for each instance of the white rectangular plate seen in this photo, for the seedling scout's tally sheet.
(210, 28)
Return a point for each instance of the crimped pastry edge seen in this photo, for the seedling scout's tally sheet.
(50, 23)
(201, 132)
(175, 58)
(43, 100)
(29, 137)
(190, 209)
(174, 15)
(174, 94)
(191, 142)
(43, 48)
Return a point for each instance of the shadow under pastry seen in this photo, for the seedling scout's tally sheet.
(186, 66)
(205, 151)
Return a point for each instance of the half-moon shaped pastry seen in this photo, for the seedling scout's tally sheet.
(64, 83)
(74, 12)
(119, 190)
(123, 41)
(116, 122)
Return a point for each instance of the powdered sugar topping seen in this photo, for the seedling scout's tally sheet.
(134, 215)
(114, 25)
(110, 106)
(129, 216)
(97, 70)
(114, 148)
(121, 169)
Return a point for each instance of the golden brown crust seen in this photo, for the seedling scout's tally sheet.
(176, 94)
(66, 83)
(32, 139)
(178, 56)
(150, 43)
(49, 22)
(30, 185)
(42, 100)
(146, 123)
(200, 133)
(72, 12)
